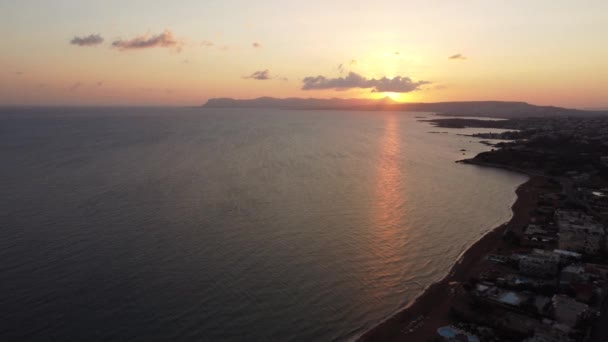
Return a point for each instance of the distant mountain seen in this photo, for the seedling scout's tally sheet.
(498, 109)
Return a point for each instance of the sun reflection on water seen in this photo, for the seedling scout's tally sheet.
(387, 211)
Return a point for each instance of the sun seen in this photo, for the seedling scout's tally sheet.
(393, 96)
(397, 97)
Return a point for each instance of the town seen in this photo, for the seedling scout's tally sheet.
(547, 279)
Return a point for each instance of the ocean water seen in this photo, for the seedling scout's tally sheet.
(189, 224)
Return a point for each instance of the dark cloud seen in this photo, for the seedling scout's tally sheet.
(457, 56)
(90, 40)
(256, 45)
(18, 73)
(341, 68)
(261, 75)
(353, 80)
(162, 40)
(397, 84)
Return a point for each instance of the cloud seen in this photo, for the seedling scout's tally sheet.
(162, 40)
(353, 80)
(341, 68)
(206, 43)
(99, 84)
(19, 73)
(90, 40)
(256, 45)
(397, 84)
(261, 75)
(457, 56)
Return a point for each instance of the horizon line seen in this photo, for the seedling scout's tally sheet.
(204, 102)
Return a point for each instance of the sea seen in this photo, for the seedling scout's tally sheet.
(196, 224)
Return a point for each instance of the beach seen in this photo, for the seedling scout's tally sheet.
(421, 318)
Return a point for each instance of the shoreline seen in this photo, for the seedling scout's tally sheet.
(430, 310)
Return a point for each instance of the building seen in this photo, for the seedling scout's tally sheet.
(537, 236)
(568, 311)
(579, 232)
(572, 274)
(539, 265)
(567, 255)
(582, 240)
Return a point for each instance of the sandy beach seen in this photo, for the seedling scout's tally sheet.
(421, 318)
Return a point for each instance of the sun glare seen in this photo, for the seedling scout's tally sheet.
(398, 97)
(393, 96)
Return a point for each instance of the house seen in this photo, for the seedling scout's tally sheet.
(537, 236)
(579, 232)
(567, 255)
(581, 239)
(550, 331)
(567, 310)
(539, 265)
(572, 274)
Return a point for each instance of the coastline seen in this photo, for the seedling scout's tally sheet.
(419, 320)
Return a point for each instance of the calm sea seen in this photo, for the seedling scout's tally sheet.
(170, 224)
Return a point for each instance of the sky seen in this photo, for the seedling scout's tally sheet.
(135, 52)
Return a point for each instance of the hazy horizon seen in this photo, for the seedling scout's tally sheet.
(202, 105)
(151, 53)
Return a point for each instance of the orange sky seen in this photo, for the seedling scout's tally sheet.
(162, 53)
